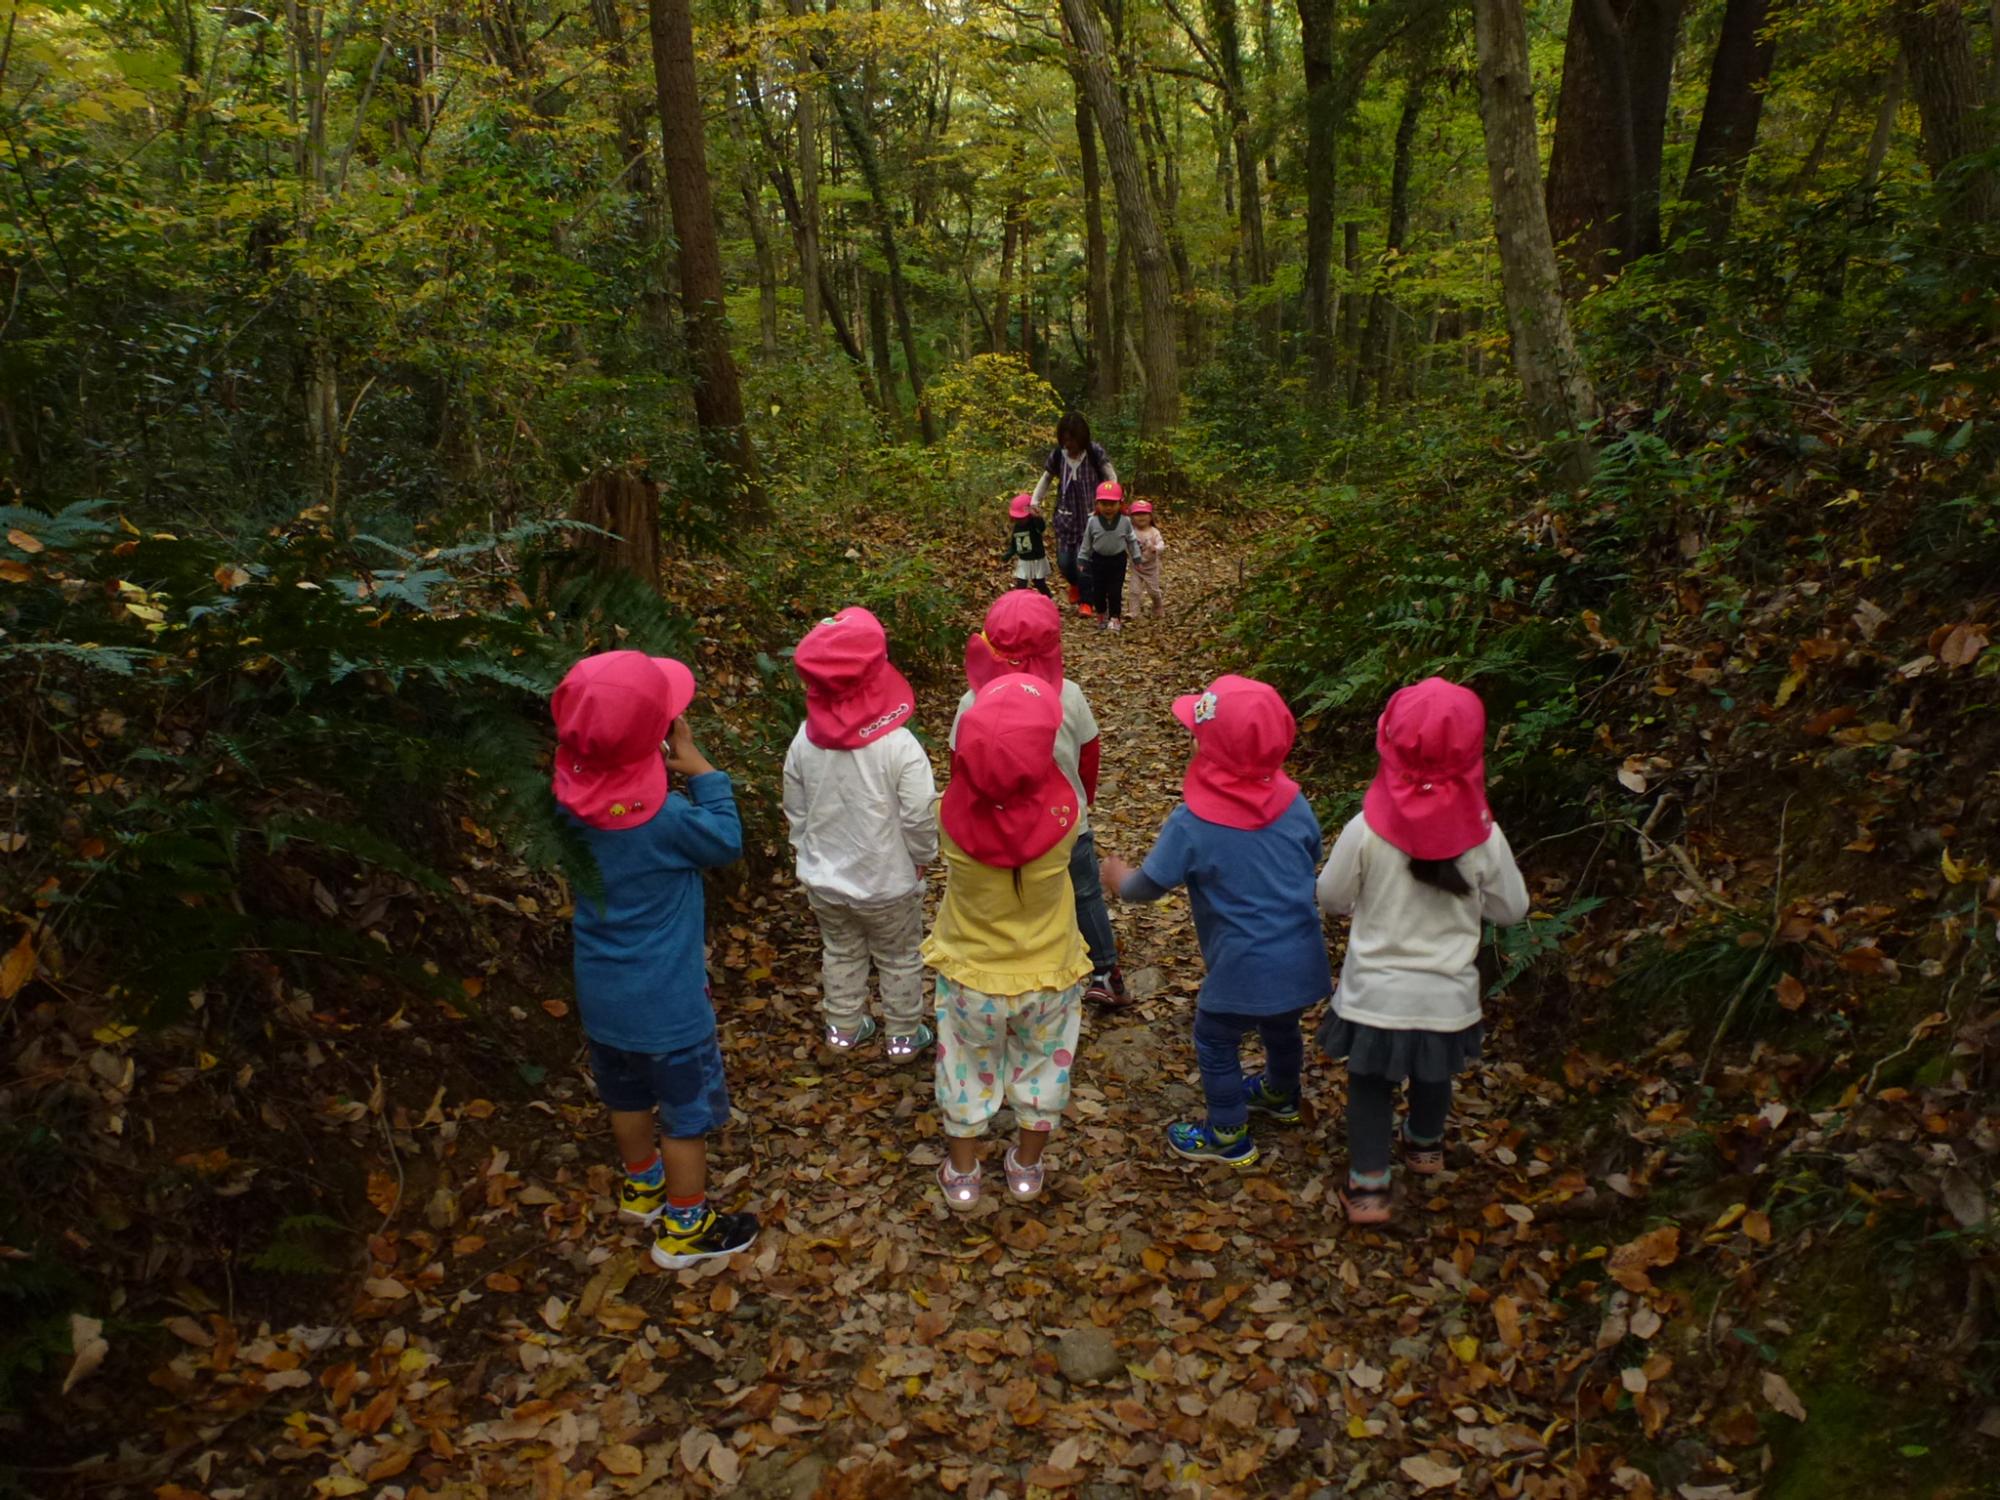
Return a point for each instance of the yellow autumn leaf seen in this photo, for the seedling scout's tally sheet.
(1953, 870)
(113, 1034)
(1357, 1427)
(1466, 1347)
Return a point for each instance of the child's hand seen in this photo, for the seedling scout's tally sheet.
(683, 755)
(1113, 872)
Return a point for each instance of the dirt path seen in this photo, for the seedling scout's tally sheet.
(1151, 1327)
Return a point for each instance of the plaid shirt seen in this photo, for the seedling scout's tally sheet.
(1078, 497)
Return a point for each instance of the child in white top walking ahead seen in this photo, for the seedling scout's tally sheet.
(1146, 565)
(858, 795)
(1419, 869)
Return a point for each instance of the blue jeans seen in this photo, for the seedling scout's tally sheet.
(1093, 919)
(687, 1087)
(1218, 1050)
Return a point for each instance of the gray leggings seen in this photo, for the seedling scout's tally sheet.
(1371, 1113)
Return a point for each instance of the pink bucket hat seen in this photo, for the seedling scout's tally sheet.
(1428, 797)
(1021, 506)
(1242, 734)
(1111, 489)
(612, 711)
(1141, 508)
(853, 692)
(1008, 802)
(1023, 634)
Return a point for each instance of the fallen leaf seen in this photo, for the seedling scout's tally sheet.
(1778, 1392)
(21, 539)
(1427, 1473)
(88, 1344)
(1961, 645)
(1791, 994)
(18, 967)
(1631, 1261)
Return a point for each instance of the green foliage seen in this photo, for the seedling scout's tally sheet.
(296, 715)
(299, 1247)
(997, 413)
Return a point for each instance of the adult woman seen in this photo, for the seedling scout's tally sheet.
(1078, 466)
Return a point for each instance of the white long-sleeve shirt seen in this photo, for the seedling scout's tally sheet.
(861, 820)
(1412, 949)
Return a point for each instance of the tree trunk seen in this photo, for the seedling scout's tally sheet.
(1729, 118)
(626, 504)
(1003, 312)
(878, 345)
(749, 188)
(1885, 123)
(1121, 309)
(656, 309)
(861, 142)
(1381, 311)
(1559, 396)
(1316, 30)
(1163, 172)
(1350, 300)
(1937, 43)
(1102, 363)
(718, 400)
(1226, 30)
(805, 123)
(1159, 359)
(1604, 167)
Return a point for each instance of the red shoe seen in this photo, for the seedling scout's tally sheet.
(1075, 595)
(1085, 610)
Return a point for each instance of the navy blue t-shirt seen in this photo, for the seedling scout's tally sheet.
(1255, 910)
(641, 972)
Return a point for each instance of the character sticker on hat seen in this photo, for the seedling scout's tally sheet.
(1204, 708)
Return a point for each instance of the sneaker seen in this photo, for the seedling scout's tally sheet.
(643, 1201)
(1116, 623)
(961, 1189)
(847, 1041)
(1264, 1101)
(1086, 611)
(1100, 990)
(712, 1235)
(902, 1048)
(1198, 1143)
(1366, 1205)
(1426, 1160)
(1023, 1183)
(1118, 991)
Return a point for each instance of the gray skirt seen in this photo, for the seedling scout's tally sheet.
(1427, 1056)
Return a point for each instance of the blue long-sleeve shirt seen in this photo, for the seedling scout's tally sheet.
(641, 973)
(1255, 911)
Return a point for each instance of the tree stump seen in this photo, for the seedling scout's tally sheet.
(626, 503)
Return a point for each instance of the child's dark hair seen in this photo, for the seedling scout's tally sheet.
(1441, 874)
(1073, 425)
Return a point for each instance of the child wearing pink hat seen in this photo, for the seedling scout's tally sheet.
(1109, 543)
(1024, 634)
(641, 978)
(1026, 547)
(1146, 564)
(1418, 870)
(858, 799)
(1244, 842)
(1009, 959)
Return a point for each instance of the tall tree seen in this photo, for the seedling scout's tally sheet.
(1611, 121)
(1102, 360)
(1937, 43)
(1374, 365)
(1729, 117)
(1317, 19)
(1159, 360)
(718, 399)
(1559, 395)
(1226, 38)
(805, 127)
(855, 127)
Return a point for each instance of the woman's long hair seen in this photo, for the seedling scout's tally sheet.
(1073, 424)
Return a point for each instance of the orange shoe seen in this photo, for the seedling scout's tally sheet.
(1085, 610)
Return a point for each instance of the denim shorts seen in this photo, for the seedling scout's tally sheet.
(687, 1087)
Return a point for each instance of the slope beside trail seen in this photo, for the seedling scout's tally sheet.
(1151, 1327)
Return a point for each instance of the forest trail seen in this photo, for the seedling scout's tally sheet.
(1226, 1334)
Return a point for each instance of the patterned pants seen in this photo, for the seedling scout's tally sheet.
(890, 937)
(1019, 1046)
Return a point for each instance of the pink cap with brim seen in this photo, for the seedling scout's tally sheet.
(1141, 508)
(1428, 797)
(854, 695)
(1242, 734)
(612, 711)
(1111, 489)
(1021, 506)
(1023, 634)
(1008, 803)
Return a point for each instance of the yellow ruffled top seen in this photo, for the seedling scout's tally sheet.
(991, 939)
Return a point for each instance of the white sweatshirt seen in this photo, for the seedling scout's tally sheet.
(1412, 949)
(861, 820)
